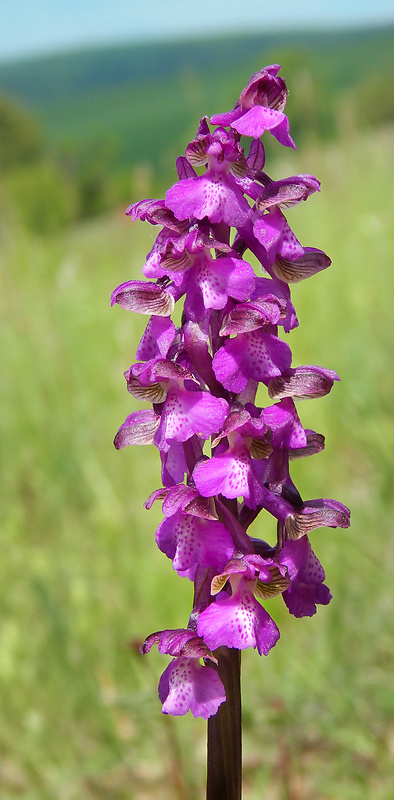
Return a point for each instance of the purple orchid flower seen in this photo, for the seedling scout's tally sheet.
(260, 108)
(271, 229)
(186, 413)
(215, 194)
(186, 684)
(173, 464)
(189, 540)
(239, 620)
(257, 355)
(230, 473)
(185, 410)
(306, 574)
(224, 458)
(213, 281)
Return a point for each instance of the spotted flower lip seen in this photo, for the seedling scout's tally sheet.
(189, 540)
(213, 281)
(185, 684)
(232, 472)
(239, 620)
(256, 355)
(215, 194)
(186, 413)
(211, 195)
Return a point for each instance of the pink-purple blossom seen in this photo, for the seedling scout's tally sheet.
(186, 684)
(238, 619)
(224, 457)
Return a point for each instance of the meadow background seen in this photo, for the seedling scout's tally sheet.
(81, 136)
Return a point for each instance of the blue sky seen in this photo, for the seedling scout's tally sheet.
(30, 27)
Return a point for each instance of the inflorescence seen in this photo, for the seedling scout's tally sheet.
(201, 379)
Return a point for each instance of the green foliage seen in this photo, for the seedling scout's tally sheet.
(41, 196)
(374, 100)
(20, 135)
(93, 171)
(82, 580)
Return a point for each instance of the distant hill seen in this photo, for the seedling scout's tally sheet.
(141, 103)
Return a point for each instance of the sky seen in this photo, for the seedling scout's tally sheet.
(34, 27)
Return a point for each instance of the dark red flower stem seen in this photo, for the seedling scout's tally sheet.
(224, 754)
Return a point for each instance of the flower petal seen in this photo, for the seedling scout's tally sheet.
(307, 575)
(293, 270)
(255, 355)
(219, 199)
(178, 642)
(187, 685)
(302, 382)
(139, 428)
(144, 297)
(260, 119)
(317, 514)
(213, 281)
(186, 413)
(238, 621)
(156, 340)
(284, 422)
(188, 540)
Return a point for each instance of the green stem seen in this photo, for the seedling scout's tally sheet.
(224, 756)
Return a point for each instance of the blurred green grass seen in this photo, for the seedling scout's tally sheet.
(82, 579)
